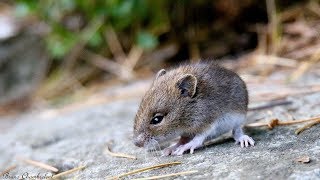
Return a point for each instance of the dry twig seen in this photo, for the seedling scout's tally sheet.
(122, 155)
(68, 172)
(39, 164)
(275, 60)
(144, 169)
(107, 65)
(304, 53)
(157, 56)
(275, 122)
(133, 57)
(86, 35)
(114, 45)
(307, 126)
(8, 170)
(305, 66)
(314, 7)
(64, 84)
(168, 175)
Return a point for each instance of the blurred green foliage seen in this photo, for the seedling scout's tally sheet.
(138, 21)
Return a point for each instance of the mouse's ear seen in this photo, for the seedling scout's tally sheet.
(187, 85)
(160, 73)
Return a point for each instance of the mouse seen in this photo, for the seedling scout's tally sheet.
(195, 103)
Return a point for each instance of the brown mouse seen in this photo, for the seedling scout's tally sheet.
(195, 102)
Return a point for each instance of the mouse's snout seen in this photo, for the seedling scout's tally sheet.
(139, 140)
(138, 143)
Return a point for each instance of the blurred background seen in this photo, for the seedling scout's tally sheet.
(60, 52)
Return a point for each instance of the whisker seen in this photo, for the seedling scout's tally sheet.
(145, 154)
(153, 143)
(158, 149)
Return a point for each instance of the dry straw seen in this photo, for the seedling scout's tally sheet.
(168, 175)
(275, 122)
(121, 155)
(144, 169)
(39, 164)
(68, 172)
(8, 170)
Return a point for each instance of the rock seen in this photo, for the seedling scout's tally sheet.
(72, 139)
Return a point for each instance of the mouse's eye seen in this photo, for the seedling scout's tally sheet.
(156, 119)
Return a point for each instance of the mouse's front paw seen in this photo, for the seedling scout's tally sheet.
(183, 148)
(169, 150)
(245, 141)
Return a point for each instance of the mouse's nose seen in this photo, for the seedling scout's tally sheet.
(139, 140)
(138, 143)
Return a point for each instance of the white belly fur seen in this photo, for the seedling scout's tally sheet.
(225, 124)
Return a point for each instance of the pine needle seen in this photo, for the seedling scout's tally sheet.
(168, 175)
(8, 170)
(275, 122)
(39, 164)
(121, 155)
(144, 169)
(307, 126)
(68, 172)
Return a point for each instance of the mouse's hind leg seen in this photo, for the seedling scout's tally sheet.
(241, 138)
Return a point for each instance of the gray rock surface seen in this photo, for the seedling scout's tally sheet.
(71, 139)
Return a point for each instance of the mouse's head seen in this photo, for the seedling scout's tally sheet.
(164, 108)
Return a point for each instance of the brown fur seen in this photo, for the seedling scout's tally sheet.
(217, 91)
